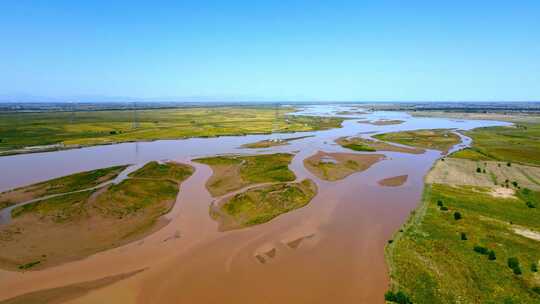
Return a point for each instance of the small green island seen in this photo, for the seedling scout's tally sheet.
(233, 172)
(370, 145)
(261, 204)
(437, 139)
(337, 166)
(268, 143)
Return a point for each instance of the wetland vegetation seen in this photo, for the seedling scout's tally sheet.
(371, 145)
(261, 204)
(233, 172)
(69, 183)
(437, 139)
(78, 224)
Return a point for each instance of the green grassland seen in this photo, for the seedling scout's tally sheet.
(262, 204)
(431, 262)
(520, 143)
(438, 139)
(69, 183)
(19, 130)
(171, 171)
(234, 172)
(370, 145)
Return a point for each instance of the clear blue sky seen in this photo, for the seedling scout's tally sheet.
(265, 50)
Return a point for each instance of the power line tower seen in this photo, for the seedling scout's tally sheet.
(135, 123)
(72, 114)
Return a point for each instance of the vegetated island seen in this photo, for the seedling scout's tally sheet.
(382, 122)
(476, 235)
(49, 131)
(267, 143)
(233, 172)
(395, 181)
(371, 145)
(436, 139)
(261, 204)
(78, 224)
(337, 166)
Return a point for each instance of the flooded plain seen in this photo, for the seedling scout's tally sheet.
(331, 250)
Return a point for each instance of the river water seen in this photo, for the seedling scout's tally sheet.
(332, 250)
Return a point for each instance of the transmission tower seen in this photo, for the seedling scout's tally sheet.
(275, 123)
(135, 123)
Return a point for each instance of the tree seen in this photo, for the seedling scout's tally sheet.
(534, 267)
(463, 236)
(478, 170)
(491, 255)
(457, 215)
(439, 203)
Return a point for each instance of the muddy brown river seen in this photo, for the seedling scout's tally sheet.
(331, 251)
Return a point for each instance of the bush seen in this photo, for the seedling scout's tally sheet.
(513, 263)
(439, 203)
(481, 249)
(509, 164)
(530, 205)
(444, 208)
(536, 289)
(399, 297)
(112, 132)
(515, 184)
(478, 170)
(534, 267)
(457, 215)
(463, 236)
(491, 255)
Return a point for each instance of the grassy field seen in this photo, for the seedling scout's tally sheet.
(262, 204)
(234, 172)
(19, 130)
(444, 258)
(438, 139)
(369, 145)
(79, 224)
(73, 182)
(520, 143)
(337, 166)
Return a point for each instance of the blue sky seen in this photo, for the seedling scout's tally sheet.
(272, 50)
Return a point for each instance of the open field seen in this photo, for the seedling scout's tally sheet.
(499, 116)
(271, 143)
(19, 130)
(439, 139)
(262, 204)
(235, 172)
(336, 166)
(455, 171)
(520, 143)
(73, 182)
(443, 258)
(370, 145)
(79, 224)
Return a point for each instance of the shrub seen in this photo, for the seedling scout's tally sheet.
(112, 132)
(491, 255)
(483, 170)
(457, 215)
(399, 297)
(534, 267)
(513, 263)
(481, 249)
(515, 184)
(536, 289)
(390, 241)
(444, 208)
(463, 236)
(478, 170)
(530, 205)
(509, 164)
(439, 203)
